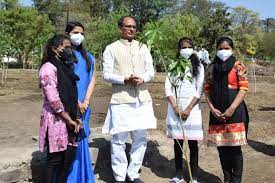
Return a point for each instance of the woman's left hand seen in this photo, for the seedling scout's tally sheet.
(228, 113)
(184, 114)
(83, 107)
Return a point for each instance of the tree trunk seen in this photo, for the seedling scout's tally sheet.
(6, 70)
(3, 73)
(24, 59)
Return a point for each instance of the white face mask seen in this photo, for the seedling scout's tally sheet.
(186, 52)
(76, 39)
(224, 54)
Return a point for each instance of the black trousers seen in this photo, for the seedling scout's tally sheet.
(194, 156)
(58, 165)
(231, 158)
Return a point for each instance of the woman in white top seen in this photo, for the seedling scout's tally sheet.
(183, 100)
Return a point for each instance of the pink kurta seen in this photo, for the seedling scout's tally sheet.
(56, 126)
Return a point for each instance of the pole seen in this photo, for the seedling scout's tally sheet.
(254, 75)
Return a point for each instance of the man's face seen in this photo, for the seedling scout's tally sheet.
(128, 30)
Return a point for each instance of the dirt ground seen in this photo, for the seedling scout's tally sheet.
(20, 106)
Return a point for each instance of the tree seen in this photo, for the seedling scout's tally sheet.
(268, 45)
(54, 9)
(103, 31)
(245, 27)
(8, 4)
(26, 28)
(268, 24)
(214, 20)
(171, 29)
(147, 10)
(98, 8)
(244, 20)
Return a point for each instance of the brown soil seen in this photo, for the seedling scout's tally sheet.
(20, 106)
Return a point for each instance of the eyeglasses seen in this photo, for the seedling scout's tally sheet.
(129, 27)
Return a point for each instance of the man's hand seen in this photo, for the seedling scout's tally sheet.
(133, 80)
(138, 81)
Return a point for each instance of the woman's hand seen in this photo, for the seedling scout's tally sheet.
(228, 113)
(176, 110)
(217, 114)
(83, 107)
(184, 114)
(73, 125)
(79, 124)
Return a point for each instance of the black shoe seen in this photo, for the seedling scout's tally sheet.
(119, 181)
(137, 180)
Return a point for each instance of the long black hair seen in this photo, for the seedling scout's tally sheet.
(66, 78)
(69, 27)
(54, 42)
(194, 58)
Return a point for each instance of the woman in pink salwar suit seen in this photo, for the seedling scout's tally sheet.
(59, 124)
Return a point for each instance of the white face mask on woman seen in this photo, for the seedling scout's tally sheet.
(224, 54)
(76, 39)
(186, 52)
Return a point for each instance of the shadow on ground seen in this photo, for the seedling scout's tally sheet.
(157, 163)
(37, 166)
(262, 147)
(267, 109)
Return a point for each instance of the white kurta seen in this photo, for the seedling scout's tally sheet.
(186, 90)
(203, 56)
(133, 116)
(129, 117)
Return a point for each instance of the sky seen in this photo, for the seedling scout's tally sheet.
(265, 8)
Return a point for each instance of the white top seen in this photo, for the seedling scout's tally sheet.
(204, 56)
(195, 87)
(186, 91)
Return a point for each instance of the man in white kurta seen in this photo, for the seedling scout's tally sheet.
(128, 65)
(204, 56)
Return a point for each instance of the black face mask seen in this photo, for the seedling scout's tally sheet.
(66, 56)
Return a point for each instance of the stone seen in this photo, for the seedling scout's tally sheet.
(10, 176)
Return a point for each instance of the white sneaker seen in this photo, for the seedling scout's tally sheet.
(176, 179)
(195, 181)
